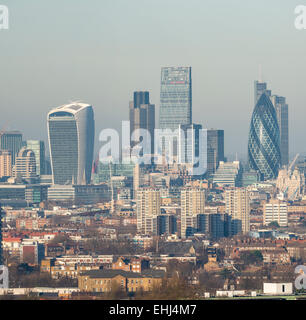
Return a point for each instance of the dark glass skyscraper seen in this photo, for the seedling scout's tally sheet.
(142, 116)
(215, 149)
(281, 108)
(71, 143)
(175, 97)
(264, 139)
(11, 141)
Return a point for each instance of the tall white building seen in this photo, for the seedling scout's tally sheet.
(71, 132)
(237, 205)
(277, 211)
(25, 166)
(192, 204)
(147, 210)
(38, 147)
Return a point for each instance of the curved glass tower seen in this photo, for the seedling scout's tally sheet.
(71, 142)
(264, 139)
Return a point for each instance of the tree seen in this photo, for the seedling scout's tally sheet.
(274, 224)
(251, 257)
(226, 274)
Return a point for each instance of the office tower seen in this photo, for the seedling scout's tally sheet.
(217, 225)
(228, 174)
(11, 141)
(215, 149)
(276, 211)
(237, 205)
(281, 109)
(192, 204)
(142, 116)
(192, 148)
(5, 163)
(116, 169)
(249, 177)
(25, 166)
(260, 87)
(175, 97)
(147, 210)
(48, 169)
(203, 223)
(71, 142)
(175, 106)
(263, 145)
(166, 224)
(38, 147)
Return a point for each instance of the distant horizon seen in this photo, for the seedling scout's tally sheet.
(100, 55)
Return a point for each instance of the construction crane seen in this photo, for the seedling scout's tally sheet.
(292, 164)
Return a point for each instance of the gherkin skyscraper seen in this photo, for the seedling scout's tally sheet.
(264, 140)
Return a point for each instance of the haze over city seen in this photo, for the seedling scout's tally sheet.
(101, 53)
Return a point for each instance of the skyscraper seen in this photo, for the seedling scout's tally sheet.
(237, 205)
(192, 204)
(263, 145)
(11, 141)
(71, 142)
(281, 109)
(215, 149)
(38, 147)
(175, 97)
(192, 148)
(260, 87)
(142, 116)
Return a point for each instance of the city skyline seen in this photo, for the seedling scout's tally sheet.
(215, 65)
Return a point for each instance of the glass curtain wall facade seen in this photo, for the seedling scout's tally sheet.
(175, 97)
(11, 141)
(264, 140)
(71, 142)
(38, 147)
(281, 109)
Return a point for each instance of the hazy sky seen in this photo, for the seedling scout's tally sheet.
(100, 51)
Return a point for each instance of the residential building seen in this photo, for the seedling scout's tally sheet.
(147, 210)
(192, 204)
(5, 163)
(237, 205)
(105, 281)
(276, 210)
